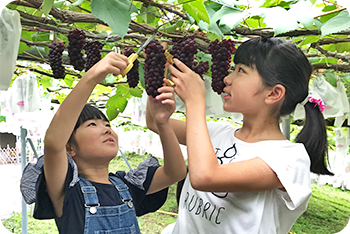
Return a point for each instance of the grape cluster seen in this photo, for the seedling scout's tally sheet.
(55, 59)
(201, 68)
(92, 51)
(185, 51)
(133, 74)
(76, 40)
(221, 57)
(154, 67)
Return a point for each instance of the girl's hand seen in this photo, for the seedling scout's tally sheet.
(188, 84)
(163, 105)
(112, 63)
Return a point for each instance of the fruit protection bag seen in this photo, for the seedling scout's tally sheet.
(10, 34)
(320, 88)
(345, 102)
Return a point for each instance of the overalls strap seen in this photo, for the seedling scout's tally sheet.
(123, 190)
(89, 192)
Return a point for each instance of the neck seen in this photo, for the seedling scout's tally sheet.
(259, 129)
(95, 173)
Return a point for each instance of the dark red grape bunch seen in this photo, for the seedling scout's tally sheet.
(154, 67)
(76, 40)
(201, 68)
(185, 51)
(55, 59)
(133, 74)
(221, 57)
(92, 51)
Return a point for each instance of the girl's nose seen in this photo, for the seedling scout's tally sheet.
(108, 130)
(227, 80)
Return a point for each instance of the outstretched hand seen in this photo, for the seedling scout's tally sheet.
(163, 105)
(112, 63)
(188, 85)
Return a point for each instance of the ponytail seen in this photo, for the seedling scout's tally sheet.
(314, 137)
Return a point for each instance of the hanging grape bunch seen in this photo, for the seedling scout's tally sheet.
(185, 51)
(133, 74)
(201, 68)
(92, 51)
(55, 59)
(221, 57)
(76, 40)
(154, 67)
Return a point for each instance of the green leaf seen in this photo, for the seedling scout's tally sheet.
(301, 12)
(330, 77)
(336, 24)
(342, 47)
(196, 9)
(142, 74)
(114, 12)
(136, 92)
(100, 89)
(46, 82)
(312, 2)
(279, 19)
(115, 105)
(309, 39)
(22, 47)
(2, 118)
(68, 79)
(270, 3)
(148, 14)
(78, 2)
(59, 4)
(109, 79)
(233, 19)
(46, 7)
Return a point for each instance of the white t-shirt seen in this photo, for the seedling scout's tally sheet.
(266, 212)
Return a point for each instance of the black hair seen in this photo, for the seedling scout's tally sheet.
(282, 62)
(88, 112)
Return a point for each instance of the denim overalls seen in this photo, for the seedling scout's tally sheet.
(119, 219)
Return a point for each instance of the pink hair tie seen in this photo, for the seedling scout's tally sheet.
(318, 102)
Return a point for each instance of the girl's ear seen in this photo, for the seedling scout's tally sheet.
(70, 149)
(276, 93)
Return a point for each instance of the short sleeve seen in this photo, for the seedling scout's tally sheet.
(292, 166)
(43, 205)
(139, 182)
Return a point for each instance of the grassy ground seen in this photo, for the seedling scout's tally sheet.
(328, 211)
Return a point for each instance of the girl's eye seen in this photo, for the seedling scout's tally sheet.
(240, 70)
(92, 124)
(108, 125)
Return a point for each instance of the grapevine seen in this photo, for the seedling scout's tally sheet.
(55, 59)
(221, 58)
(154, 67)
(133, 74)
(76, 40)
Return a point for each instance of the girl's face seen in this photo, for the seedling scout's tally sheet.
(95, 139)
(244, 90)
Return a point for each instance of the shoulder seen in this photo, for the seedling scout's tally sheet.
(220, 127)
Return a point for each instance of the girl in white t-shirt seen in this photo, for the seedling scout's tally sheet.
(249, 179)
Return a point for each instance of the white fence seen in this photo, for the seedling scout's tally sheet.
(9, 155)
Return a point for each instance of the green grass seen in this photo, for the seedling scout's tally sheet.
(328, 210)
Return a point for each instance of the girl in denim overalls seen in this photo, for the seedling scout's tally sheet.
(94, 200)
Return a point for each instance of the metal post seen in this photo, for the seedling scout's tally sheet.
(24, 162)
(286, 127)
(33, 148)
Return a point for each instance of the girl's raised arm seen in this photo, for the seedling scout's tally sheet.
(63, 122)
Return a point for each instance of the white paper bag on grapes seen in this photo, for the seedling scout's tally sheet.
(10, 34)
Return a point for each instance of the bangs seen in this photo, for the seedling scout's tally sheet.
(255, 51)
(88, 112)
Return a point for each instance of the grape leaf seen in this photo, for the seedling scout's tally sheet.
(113, 12)
(2, 118)
(115, 105)
(196, 9)
(336, 24)
(279, 19)
(46, 81)
(46, 7)
(301, 12)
